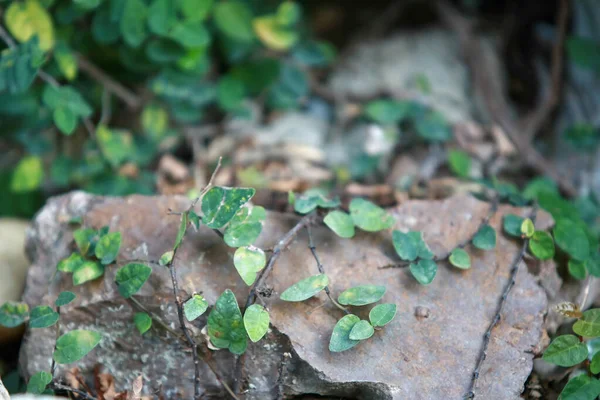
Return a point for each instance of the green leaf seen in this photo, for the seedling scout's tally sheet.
(116, 144)
(369, 217)
(66, 61)
(87, 271)
(595, 364)
(460, 163)
(581, 387)
(571, 238)
(142, 322)
(433, 127)
(382, 314)
(161, 16)
(195, 10)
(28, 175)
(38, 382)
(19, 66)
(74, 345)
(194, 307)
(387, 112)
(65, 120)
(274, 35)
(66, 97)
(108, 247)
(42, 317)
(166, 258)
(512, 224)
(225, 325)
(577, 269)
(405, 246)
(589, 324)
(340, 223)
(131, 278)
(592, 264)
(13, 314)
(423, 250)
(190, 34)
(312, 199)
(460, 259)
(220, 204)
(527, 228)
(29, 18)
(424, 271)
(133, 22)
(245, 227)
(361, 330)
(163, 51)
(230, 92)
(64, 298)
(155, 121)
(71, 263)
(290, 88)
(234, 19)
(288, 13)
(306, 288)
(194, 219)
(256, 322)
(181, 231)
(85, 238)
(248, 261)
(340, 338)
(485, 239)
(566, 351)
(541, 245)
(585, 52)
(361, 295)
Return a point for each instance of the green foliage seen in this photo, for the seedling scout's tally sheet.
(225, 326)
(306, 288)
(28, 175)
(405, 245)
(369, 217)
(485, 239)
(512, 224)
(527, 228)
(166, 258)
(180, 234)
(340, 338)
(541, 245)
(131, 278)
(589, 324)
(581, 387)
(67, 107)
(382, 314)
(424, 271)
(245, 227)
(108, 247)
(312, 199)
(460, 259)
(42, 317)
(361, 330)
(566, 351)
(577, 269)
(27, 19)
(361, 295)
(460, 163)
(571, 238)
(340, 223)
(38, 382)
(595, 364)
(64, 298)
(19, 66)
(13, 314)
(142, 321)
(256, 322)
(221, 204)
(88, 270)
(74, 345)
(194, 307)
(248, 262)
(387, 112)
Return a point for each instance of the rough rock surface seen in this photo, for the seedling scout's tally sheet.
(428, 352)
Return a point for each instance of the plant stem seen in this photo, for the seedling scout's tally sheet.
(488, 333)
(53, 366)
(80, 393)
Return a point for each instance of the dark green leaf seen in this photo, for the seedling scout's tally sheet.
(340, 223)
(312, 199)
(225, 324)
(566, 351)
(584, 52)
(116, 144)
(460, 259)
(581, 387)
(195, 307)
(571, 238)
(589, 324)
(108, 247)
(592, 264)
(577, 269)
(133, 22)
(220, 204)
(230, 92)
(424, 271)
(74, 345)
(38, 382)
(512, 224)
(64, 298)
(306, 288)
(190, 34)
(142, 322)
(87, 271)
(433, 127)
(361, 295)
(256, 322)
(131, 278)
(369, 217)
(13, 314)
(161, 16)
(382, 314)
(164, 51)
(19, 66)
(485, 239)
(387, 112)
(340, 338)
(65, 120)
(405, 246)
(595, 364)
(541, 245)
(42, 317)
(361, 330)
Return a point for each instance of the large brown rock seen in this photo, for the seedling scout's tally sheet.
(426, 356)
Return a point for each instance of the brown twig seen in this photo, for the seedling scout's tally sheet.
(59, 386)
(313, 250)
(486, 75)
(127, 96)
(488, 333)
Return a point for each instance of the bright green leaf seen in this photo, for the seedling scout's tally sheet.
(460, 163)
(256, 322)
(306, 288)
(234, 19)
(161, 16)
(460, 259)
(589, 324)
(382, 314)
(220, 204)
(369, 217)
(142, 322)
(566, 351)
(108, 247)
(190, 34)
(195, 307)
(66, 60)
(361, 330)
(28, 175)
(74, 345)
(155, 121)
(248, 261)
(116, 144)
(131, 278)
(313, 198)
(85, 238)
(64, 298)
(340, 223)
(225, 324)
(340, 338)
(87, 271)
(485, 239)
(38, 382)
(527, 228)
(361, 295)
(71, 263)
(387, 112)
(42, 317)
(541, 245)
(13, 314)
(595, 364)
(65, 120)
(424, 271)
(166, 258)
(273, 35)
(29, 18)
(245, 227)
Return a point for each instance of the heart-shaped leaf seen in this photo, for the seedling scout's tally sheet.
(74, 345)
(361, 330)
(194, 307)
(340, 338)
(382, 314)
(131, 278)
(42, 317)
(306, 288)
(256, 322)
(361, 295)
(225, 326)
(566, 351)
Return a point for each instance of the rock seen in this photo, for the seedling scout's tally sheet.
(3, 392)
(13, 268)
(413, 357)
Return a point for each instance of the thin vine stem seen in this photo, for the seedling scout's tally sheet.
(497, 316)
(59, 386)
